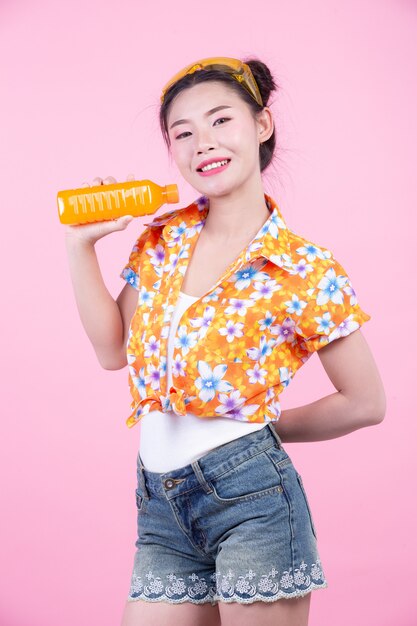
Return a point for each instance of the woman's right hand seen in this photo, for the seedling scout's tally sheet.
(94, 231)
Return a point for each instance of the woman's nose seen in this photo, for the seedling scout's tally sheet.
(205, 141)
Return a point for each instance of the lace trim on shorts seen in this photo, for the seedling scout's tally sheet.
(230, 586)
(176, 589)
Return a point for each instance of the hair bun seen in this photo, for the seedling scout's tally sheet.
(263, 77)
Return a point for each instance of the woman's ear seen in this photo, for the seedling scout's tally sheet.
(265, 122)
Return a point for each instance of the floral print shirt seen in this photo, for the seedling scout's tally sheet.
(239, 345)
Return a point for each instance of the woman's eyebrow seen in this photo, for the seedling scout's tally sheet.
(219, 108)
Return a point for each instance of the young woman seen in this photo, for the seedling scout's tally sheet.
(222, 304)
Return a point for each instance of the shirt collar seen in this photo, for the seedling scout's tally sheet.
(271, 241)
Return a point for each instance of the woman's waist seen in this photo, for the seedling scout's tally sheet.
(169, 441)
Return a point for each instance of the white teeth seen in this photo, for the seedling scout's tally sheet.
(213, 165)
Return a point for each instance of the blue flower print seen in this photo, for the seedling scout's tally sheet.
(311, 252)
(213, 296)
(267, 321)
(210, 380)
(165, 403)
(131, 277)
(183, 254)
(139, 412)
(330, 287)
(189, 399)
(249, 272)
(265, 349)
(281, 299)
(295, 305)
(163, 366)
(177, 232)
(141, 382)
(146, 297)
(138, 380)
(273, 225)
(185, 340)
(325, 323)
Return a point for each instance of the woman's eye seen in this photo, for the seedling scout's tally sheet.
(222, 118)
(218, 120)
(179, 136)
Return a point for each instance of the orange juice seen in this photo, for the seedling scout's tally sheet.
(108, 202)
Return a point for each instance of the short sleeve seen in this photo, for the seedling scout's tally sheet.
(330, 309)
(130, 272)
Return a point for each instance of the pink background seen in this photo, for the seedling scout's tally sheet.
(80, 86)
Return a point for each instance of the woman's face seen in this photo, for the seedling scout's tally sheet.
(197, 134)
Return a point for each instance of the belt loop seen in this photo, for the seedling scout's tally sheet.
(200, 477)
(275, 434)
(141, 476)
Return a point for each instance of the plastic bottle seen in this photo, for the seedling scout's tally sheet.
(107, 202)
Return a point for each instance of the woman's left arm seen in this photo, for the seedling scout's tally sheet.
(358, 402)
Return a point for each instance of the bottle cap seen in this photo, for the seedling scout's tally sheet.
(171, 192)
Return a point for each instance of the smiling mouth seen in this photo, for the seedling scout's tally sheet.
(210, 167)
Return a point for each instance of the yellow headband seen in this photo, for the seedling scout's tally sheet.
(236, 68)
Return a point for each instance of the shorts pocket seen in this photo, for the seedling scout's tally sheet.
(300, 482)
(252, 478)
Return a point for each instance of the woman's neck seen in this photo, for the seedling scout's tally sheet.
(232, 219)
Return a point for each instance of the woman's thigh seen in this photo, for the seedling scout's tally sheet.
(144, 613)
(283, 612)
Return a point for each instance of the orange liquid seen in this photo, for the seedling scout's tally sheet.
(108, 202)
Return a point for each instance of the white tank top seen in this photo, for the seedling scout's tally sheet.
(169, 441)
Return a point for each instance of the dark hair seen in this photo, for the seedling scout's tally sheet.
(266, 85)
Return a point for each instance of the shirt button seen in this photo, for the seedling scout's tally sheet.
(169, 483)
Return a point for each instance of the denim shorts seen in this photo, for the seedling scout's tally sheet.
(233, 526)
